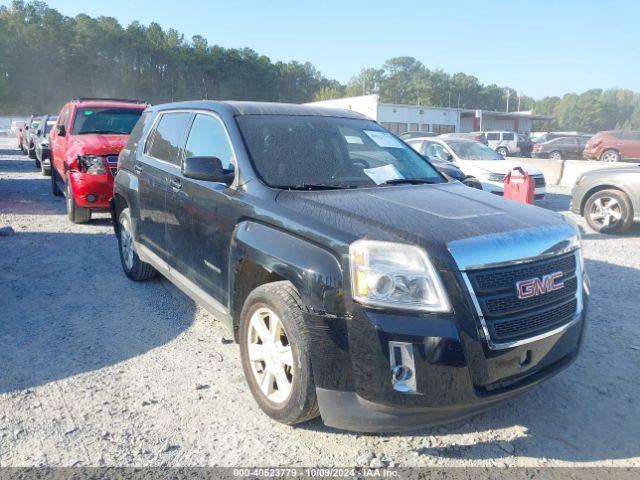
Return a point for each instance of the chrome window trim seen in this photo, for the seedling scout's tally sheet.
(516, 343)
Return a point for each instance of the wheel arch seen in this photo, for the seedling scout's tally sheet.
(262, 254)
(607, 186)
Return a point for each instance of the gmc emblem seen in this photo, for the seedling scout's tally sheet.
(539, 286)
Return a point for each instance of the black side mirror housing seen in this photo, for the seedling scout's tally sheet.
(449, 157)
(206, 168)
(61, 130)
(39, 132)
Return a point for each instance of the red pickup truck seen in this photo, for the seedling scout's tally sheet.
(85, 143)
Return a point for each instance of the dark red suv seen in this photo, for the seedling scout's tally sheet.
(613, 146)
(85, 143)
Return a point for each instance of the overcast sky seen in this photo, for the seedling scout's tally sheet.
(539, 47)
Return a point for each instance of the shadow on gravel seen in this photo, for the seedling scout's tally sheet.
(589, 412)
(68, 309)
(558, 202)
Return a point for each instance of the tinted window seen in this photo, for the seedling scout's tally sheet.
(166, 139)
(290, 151)
(208, 138)
(582, 141)
(508, 136)
(630, 135)
(493, 136)
(115, 121)
(473, 151)
(137, 131)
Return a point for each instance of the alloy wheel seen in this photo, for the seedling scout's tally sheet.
(605, 212)
(610, 157)
(126, 245)
(270, 355)
(555, 156)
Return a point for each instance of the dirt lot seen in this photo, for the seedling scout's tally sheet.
(98, 370)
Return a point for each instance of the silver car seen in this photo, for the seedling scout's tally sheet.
(608, 198)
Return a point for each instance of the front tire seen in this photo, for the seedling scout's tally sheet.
(503, 151)
(274, 347)
(610, 156)
(55, 189)
(75, 213)
(609, 211)
(133, 267)
(555, 155)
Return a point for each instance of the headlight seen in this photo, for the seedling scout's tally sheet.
(394, 275)
(91, 164)
(495, 177)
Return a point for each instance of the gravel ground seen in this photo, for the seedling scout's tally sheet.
(98, 370)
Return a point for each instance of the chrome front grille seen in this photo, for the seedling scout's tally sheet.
(539, 181)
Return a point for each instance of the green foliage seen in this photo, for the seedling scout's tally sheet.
(47, 58)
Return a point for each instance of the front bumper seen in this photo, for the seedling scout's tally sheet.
(457, 375)
(498, 189)
(91, 191)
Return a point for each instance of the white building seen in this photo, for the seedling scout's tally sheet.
(402, 118)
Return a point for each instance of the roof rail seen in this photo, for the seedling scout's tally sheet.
(107, 99)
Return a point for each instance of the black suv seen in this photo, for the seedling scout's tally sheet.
(360, 284)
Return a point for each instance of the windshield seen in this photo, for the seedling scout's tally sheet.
(294, 151)
(117, 121)
(473, 151)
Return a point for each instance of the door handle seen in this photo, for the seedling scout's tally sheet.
(137, 168)
(175, 184)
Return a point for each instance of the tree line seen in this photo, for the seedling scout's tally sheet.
(47, 58)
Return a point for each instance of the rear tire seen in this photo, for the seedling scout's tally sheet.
(555, 155)
(610, 156)
(279, 370)
(38, 163)
(75, 213)
(502, 151)
(133, 267)
(54, 182)
(609, 211)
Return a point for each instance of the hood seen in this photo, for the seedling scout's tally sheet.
(98, 144)
(427, 215)
(498, 166)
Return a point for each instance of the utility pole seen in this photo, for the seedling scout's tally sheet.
(508, 96)
(518, 101)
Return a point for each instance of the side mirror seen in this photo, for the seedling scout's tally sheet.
(449, 157)
(206, 168)
(61, 130)
(39, 132)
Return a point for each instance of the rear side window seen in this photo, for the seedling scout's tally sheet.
(508, 136)
(630, 135)
(493, 136)
(208, 138)
(167, 137)
(136, 133)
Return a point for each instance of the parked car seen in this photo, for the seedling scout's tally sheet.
(608, 198)
(505, 143)
(613, 146)
(42, 142)
(358, 282)
(561, 148)
(16, 126)
(28, 132)
(85, 144)
(545, 137)
(413, 134)
(477, 136)
(483, 167)
(20, 136)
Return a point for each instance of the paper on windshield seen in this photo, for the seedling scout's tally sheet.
(383, 174)
(384, 139)
(353, 139)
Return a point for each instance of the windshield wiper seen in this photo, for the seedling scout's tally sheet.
(313, 186)
(414, 181)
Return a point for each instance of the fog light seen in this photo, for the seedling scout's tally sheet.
(91, 198)
(403, 367)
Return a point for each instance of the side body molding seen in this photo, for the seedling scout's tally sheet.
(313, 270)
